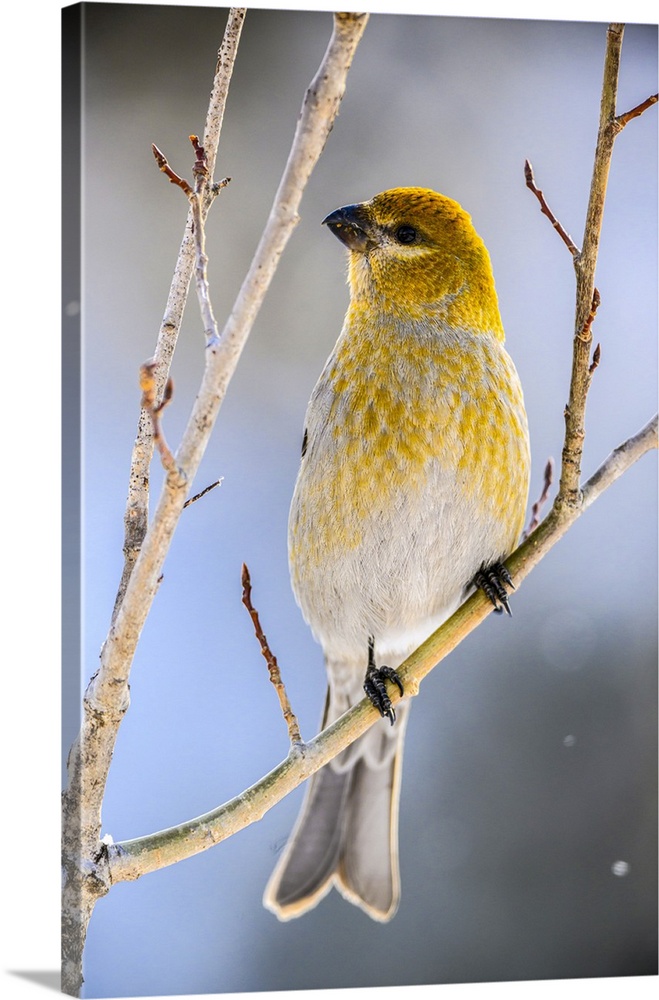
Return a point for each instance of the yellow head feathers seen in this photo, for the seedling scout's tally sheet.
(414, 251)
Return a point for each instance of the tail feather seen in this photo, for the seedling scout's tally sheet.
(304, 874)
(347, 831)
(368, 871)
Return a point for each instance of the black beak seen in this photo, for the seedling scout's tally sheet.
(349, 225)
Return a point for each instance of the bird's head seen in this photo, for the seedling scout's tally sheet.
(414, 251)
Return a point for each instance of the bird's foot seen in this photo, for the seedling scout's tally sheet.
(492, 580)
(375, 686)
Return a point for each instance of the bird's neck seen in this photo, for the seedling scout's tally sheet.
(468, 304)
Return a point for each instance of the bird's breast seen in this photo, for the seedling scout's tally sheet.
(417, 456)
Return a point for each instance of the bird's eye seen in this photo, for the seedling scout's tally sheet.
(406, 234)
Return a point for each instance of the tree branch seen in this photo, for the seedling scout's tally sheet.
(585, 262)
(136, 517)
(546, 210)
(622, 120)
(542, 499)
(319, 109)
(290, 717)
(202, 493)
(130, 859)
(148, 386)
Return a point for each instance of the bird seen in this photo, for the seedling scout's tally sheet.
(411, 492)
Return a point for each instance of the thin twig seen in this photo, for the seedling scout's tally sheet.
(148, 387)
(273, 667)
(201, 175)
(542, 499)
(545, 209)
(197, 196)
(226, 57)
(622, 120)
(620, 459)
(217, 186)
(163, 165)
(203, 493)
(132, 858)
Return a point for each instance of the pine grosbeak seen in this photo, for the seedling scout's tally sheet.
(412, 489)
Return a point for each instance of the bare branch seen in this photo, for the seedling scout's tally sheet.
(226, 58)
(542, 499)
(108, 688)
(584, 263)
(623, 120)
(273, 667)
(163, 165)
(201, 176)
(132, 858)
(319, 109)
(136, 517)
(546, 210)
(148, 387)
(619, 461)
(203, 493)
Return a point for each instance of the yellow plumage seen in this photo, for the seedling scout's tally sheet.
(415, 475)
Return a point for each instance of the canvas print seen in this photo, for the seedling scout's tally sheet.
(360, 393)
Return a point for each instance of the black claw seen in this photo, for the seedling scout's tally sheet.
(504, 575)
(375, 687)
(491, 580)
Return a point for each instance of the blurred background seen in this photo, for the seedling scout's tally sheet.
(528, 814)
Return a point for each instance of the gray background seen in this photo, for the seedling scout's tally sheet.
(530, 759)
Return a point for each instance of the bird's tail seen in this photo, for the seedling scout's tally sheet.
(347, 832)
